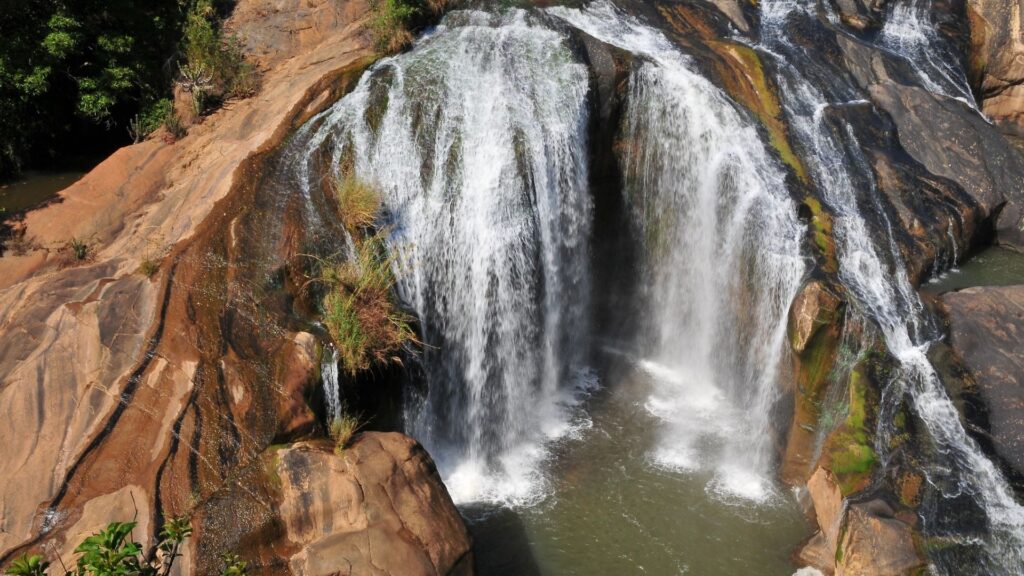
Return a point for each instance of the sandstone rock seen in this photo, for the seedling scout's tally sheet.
(301, 370)
(813, 308)
(113, 380)
(986, 332)
(378, 508)
(828, 505)
(856, 540)
(875, 543)
(996, 60)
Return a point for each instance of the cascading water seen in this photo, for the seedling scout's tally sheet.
(477, 139)
(723, 259)
(332, 391)
(910, 32)
(876, 279)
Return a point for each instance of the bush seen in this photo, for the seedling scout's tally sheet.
(214, 67)
(359, 313)
(393, 22)
(343, 430)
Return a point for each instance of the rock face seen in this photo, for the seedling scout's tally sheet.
(996, 59)
(859, 539)
(378, 508)
(128, 392)
(986, 332)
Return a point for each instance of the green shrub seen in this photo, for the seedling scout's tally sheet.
(214, 67)
(392, 22)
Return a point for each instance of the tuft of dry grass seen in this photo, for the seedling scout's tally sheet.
(343, 430)
(358, 203)
(359, 311)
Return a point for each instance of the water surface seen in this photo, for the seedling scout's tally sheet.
(613, 510)
(993, 266)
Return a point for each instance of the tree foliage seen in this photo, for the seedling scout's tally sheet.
(66, 65)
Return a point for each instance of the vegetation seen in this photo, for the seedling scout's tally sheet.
(343, 430)
(358, 203)
(393, 22)
(358, 309)
(78, 248)
(91, 72)
(851, 455)
(113, 552)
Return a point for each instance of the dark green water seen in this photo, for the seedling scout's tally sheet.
(611, 511)
(994, 266)
(33, 188)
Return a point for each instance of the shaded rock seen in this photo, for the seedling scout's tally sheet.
(861, 14)
(300, 373)
(378, 508)
(986, 332)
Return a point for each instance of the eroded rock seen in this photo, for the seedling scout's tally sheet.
(986, 332)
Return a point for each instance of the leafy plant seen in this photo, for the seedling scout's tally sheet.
(113, 552)
(78, 248)
(234, 566)
(28, 566)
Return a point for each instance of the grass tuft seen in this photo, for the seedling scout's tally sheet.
(343, 430)
(358, 203)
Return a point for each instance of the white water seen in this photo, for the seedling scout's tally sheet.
(478, 140)
(723, 262)
(332, 392)
(876, 279)
(910, 32)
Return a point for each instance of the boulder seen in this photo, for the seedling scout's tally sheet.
(986, 333)
(815, 306)
(376, 508)
(875, 543)
(996, 61)
(858, 539)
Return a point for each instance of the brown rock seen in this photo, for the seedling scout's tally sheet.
(813, 308)
(828, 504)
(112, 380)
(986, 332)
(875, 543)
(996, 60)
(379, 508)
(300, 371)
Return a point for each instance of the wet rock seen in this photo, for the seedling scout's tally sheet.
(861, 15)
(300, 373)
(813, 308)
(828, 505)
(986, 332)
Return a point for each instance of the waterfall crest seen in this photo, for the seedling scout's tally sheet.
(478, 140)
(722, 260)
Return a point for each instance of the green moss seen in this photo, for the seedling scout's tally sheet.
(821, 224)
(851, 455)
(765, 105)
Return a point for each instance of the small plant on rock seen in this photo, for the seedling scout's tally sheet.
(343, 430)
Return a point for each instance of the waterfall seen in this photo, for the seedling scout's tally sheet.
(910, 32)
(722, 263)
(477, 139)
(329, 378)
(877, 282)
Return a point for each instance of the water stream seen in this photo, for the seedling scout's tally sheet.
(875, 276)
